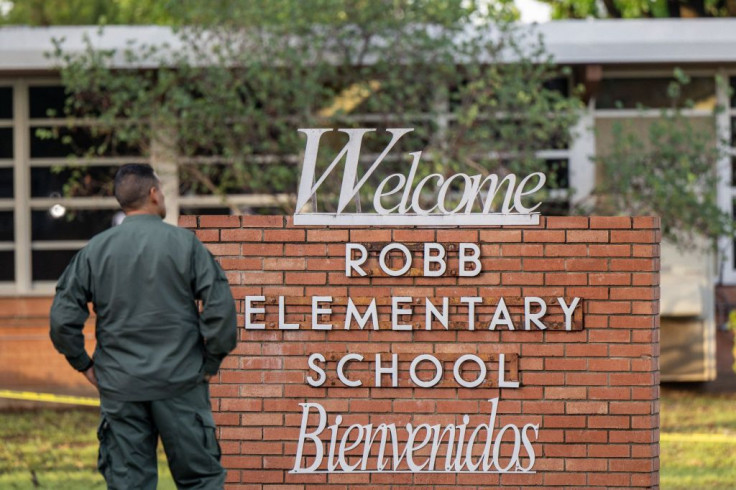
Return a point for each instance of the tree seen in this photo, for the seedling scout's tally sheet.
(88, 12)
(626, 9)
(252, 73)
(671, 171)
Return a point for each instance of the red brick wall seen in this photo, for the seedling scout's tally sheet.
(28, 360)
(594, 392)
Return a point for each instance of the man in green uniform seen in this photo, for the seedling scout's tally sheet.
(156, 350)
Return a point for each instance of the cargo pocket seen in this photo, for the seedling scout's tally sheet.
(209, 438)
(104, 464)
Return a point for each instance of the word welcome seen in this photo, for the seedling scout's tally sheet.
(477, 191)
(368, 449)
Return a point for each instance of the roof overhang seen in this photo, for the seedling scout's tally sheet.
(640, 41)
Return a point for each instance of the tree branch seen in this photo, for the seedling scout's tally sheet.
(612, 9)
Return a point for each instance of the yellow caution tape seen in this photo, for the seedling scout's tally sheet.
(50, 398)
(682, 437)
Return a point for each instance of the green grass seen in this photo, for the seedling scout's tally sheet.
(57, 449)
(691, 461)
(698, 447)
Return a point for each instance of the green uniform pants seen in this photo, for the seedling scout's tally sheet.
(129, 433)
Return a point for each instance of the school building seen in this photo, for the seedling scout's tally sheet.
(622, 64)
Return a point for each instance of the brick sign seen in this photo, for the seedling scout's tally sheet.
(377, 357)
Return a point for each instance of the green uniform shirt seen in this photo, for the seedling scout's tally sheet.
(143, 278)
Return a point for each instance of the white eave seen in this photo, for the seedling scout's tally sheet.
(27, 48)
(641, 41)
(569, 41)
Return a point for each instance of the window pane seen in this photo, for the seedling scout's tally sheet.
(73, 225)
(81, 181)
(605, 130)
(6, 142)
(557, 174)
(733, 92)
(7, 266)
(733, 171)
(630, 93)
(733, 131)
(46, 101)
(7, 231)
(554, 208)
(561, 85)
(6, 103)
(6, 183)
(197, 179)
(63, 142)
(49, 264)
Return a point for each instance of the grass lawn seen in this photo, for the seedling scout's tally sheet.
(698, 440)
(59, 448)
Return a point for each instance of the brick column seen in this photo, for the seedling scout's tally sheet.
(593, 391)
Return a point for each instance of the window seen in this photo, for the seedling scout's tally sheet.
(632, 93)
(48, 265)
(46, 102)
(77, 181)
(7, 266)
(6, 103)
(7, 214)
(6, 143)
(80, 224)
(67, 193)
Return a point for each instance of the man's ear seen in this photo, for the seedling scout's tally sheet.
(152, 195)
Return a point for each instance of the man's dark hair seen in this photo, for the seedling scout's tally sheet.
(133, 182)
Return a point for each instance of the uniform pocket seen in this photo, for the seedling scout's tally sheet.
(209, 436)
(104, 465)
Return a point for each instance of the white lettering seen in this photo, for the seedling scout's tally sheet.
(317, 311)
(371, 313)
(469, 258)
(418, 194)
(341, 370)
(344, 448)
(282, 317)
(520, 192)
(443, 208)
(393, 370)
(432, 311)
(321, 376)
(388, 249)
(380, 193)
(354, 264)
(471, 301)
(396, 301)
(459, 454)
(413, 371)
(530, 317)
(501, 311)
(430, 259)
(502, 383)
(252, 310)
(568, 310)
(312, 436)
(458, 368)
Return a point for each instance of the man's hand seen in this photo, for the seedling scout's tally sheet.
(207, 377)
(90, 375)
